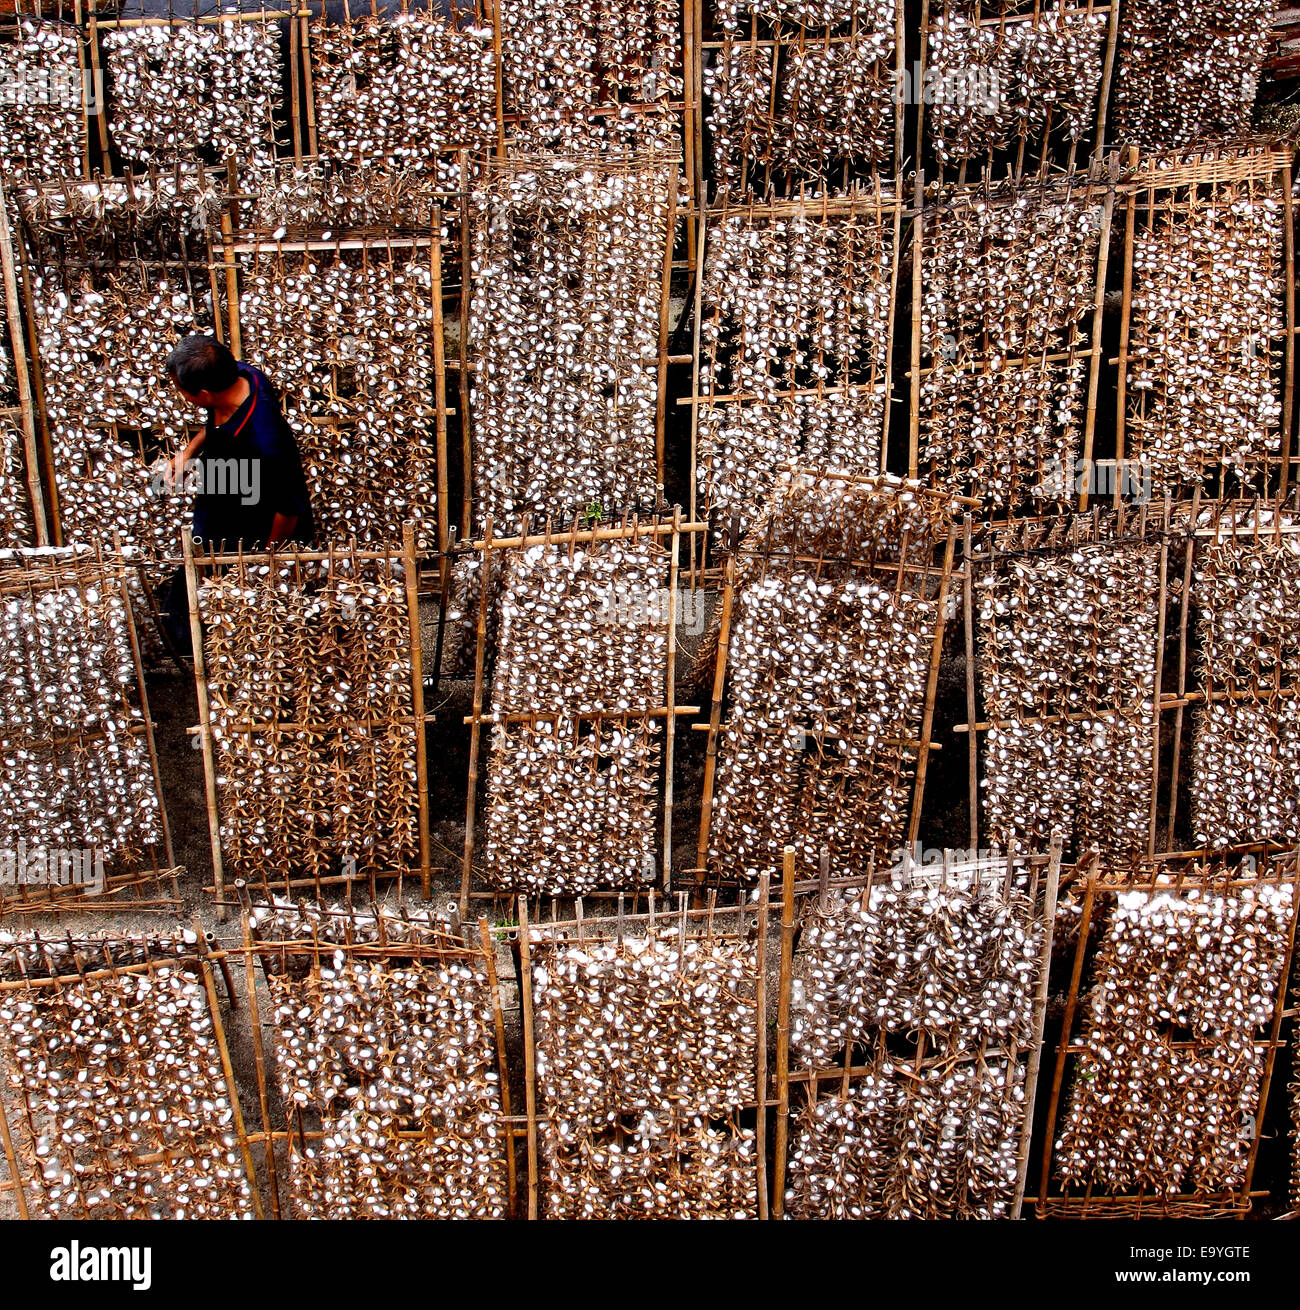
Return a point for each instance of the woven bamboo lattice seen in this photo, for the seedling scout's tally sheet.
(565, 326)
(832, 623)
(1009, 275)
(795, 343)
(648, 1057)
(582, 713)
(119, 1080)
(42, 119)
(1007, 79)
(1200, 358)
(949, 961)
(183, 88)
(1246, 745)
(403, 91)
(1189, 73)
(1068, 625)
(584, 75)
(312, 715)
(1170, 1052)
(347, 335)
(386, 1038)
(804, 90)
(81, 813)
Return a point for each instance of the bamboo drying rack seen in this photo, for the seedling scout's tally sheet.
(151, 884)
(1174, 872)
(210, 564)
(82, 974)
(912, 580)
(1043, 873)
(631, 530)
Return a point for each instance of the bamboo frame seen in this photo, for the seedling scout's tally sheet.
(49, 989)
(245, 255)
(858, 208)
(1071, 346)
(1042, 875)
(568, 721)
(1051, 139)
(1188, 873)
(1056, 537)
(701, 926)
(13, 316)
(280, 115)
(141, 885)
(364, 937)
(1171, 186)
(212, 563)
(912, 581)
(759, 175)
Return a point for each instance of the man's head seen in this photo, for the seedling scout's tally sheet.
(202, 369)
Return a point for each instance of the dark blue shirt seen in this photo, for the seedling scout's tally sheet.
(250, 471)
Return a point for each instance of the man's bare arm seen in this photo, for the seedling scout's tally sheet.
(282, 528)
(177, 464)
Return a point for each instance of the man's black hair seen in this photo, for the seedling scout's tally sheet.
(200, 363)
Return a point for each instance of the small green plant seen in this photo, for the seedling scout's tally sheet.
(592, 514)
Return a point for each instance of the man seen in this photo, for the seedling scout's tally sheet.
(250, 488)
(244, 466)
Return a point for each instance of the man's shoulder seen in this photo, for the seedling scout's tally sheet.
(255, 374)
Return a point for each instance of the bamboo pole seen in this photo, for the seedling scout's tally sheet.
(308, 79)
(927, 722)
(205, 728)
(55, 521)
(587, 536)
(690, 53)
(146, 725)
(503, 1067)
(1126, 311)
(918, 232)
(968, 614)
(417, 701)
(480, 657)
(1156, 701)
(1067, 1024)
(440, 390)
(715, 713)
(463, 370)
(97, 73)
(665, 306)
(295, 85)
(760, 1076)
(232, 275)
(530, 1053)
(1098, 311)
(1183, 617)
(783, 1031)
(232, 1088)
(259, 1057)
(1288, 376)
(1039, 1023)
(701, 243)
(11, 1159)
(670, 704)
(13, 311)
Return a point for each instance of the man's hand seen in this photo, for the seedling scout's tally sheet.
(175, 469)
